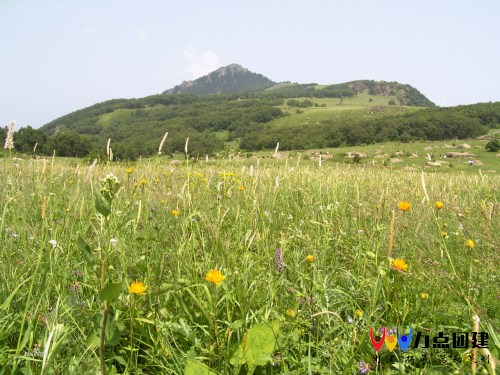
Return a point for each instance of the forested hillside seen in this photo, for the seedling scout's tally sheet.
(252, 112)
(426, 124)
(136, 126)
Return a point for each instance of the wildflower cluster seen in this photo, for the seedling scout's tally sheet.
(110, 185)
(9, 139)
(278, 261)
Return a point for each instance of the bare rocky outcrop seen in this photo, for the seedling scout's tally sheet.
(353, 154)
(458, 155)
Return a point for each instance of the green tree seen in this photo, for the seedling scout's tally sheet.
(493, 145)
(26, 138)
(70, 144)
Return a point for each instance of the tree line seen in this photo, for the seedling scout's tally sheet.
(136, 126)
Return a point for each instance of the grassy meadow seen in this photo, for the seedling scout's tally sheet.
(244, 266)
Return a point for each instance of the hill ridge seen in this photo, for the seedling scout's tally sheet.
(235, 78)
(227, 79)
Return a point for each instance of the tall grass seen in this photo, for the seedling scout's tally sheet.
(169, 225)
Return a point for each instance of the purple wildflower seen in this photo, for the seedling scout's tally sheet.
(363, 367)
(74, 287)
(78, 273)
(278, 260)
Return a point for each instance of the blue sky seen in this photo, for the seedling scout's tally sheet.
(60, 56)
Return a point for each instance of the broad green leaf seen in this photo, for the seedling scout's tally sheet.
(144, 320)
(110, 291)
(86, 251)
(120, 360)
(102, 205)
(197, 368)
(259, 342)
(83, 246)
(93, 340)
(112, 334)
(132, 215)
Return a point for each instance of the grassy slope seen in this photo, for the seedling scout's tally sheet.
(486, 162)
(355, 108)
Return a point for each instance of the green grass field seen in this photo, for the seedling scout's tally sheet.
(308, 258)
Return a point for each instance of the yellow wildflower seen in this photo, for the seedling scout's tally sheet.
(470, 244)
(175, 212)
(290, 313)
(310, 258)
(137, 287)
(424, 295)
(404, 205)
(399, 265)
(358, 313)
(143, 181)
(438, 204)
(241, 188)
(214, 276)
(129, 170)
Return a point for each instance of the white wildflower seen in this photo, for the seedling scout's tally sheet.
(53, 243)
(9, 139)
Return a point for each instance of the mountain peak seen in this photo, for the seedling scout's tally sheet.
(228, 79)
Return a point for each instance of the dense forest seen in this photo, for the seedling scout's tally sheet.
(136, 126)
(427, 124)
(209, 123)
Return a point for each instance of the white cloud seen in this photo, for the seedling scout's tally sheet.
(89, 30)
(199, 65)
